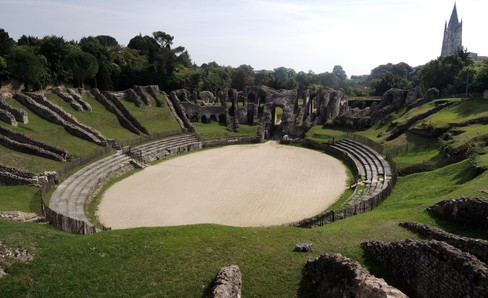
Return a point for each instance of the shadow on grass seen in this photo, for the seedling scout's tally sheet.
(306, 288)
(35, 202)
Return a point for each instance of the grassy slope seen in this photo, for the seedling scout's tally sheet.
(181, 261)
(158, 261)
(215, 130)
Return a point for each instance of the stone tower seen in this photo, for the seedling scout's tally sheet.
(453, 34)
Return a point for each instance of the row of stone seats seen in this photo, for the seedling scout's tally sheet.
(373, 170)
(168, 146)
(71, 195)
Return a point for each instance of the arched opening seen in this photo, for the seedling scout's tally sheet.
(222, 119)
(213, 118)
(278, 114)
(204, 119)
(194, 118)
(231, 111)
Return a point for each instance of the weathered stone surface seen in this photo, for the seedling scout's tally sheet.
(413, 95)
(476, 247)
(112, 108)
(127, 114)
(46, 109)
(69, 99)
(21, 216)
(79, 99)
(131, 96)
(207, 96)
(228, 283)
(391, 101)
(471, 212)
(140, 91)
(20, 142)
(180, 111)
(7, 117)
(334, 275)
(20, 115)
(153, 90)
(303, 247)
(432, 268)
(330, 104)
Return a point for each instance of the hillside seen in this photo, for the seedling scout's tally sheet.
(444, 155)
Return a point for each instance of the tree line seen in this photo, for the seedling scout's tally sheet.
(100, 61)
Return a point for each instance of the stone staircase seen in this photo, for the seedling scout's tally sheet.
(373, 170)
(71, 195)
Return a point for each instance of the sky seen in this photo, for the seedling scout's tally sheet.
(304, 35)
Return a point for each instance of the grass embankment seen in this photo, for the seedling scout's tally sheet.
(214, 130)
(181, 261)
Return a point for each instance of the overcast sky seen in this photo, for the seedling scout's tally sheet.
(303, 35)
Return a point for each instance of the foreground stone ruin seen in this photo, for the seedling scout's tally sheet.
(334, 275)
(432, 268)
(227, 283)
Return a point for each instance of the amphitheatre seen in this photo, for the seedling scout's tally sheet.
(192, 181)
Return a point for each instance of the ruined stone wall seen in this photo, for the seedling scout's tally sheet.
(131, 96)
(476, 247)
(14, 176)
(127, 114)
(7, 117)
(78, 98)
(19, 115)
(112, 108)
(140, 91)
(432, 268)
(69, 99)
(180, 111)
(472, 212)
(330, 104)
(334, 275)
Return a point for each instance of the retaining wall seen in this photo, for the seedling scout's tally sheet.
(472, 212)
(334, 275)
(432, 268)
(476, 247)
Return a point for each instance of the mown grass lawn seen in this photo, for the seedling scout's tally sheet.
(181, 261)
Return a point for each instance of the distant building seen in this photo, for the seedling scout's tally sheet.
(453, 35)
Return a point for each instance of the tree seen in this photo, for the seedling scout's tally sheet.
(242, 76)
(83, 66)
(481, 76)
(339, 73)
(55, 49)
(6, 43)
(3, 70)
(25, 66)
(388, 81)
(163, 39)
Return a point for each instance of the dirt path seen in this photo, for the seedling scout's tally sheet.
(242, 185)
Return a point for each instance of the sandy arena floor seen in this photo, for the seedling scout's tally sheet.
(241, 185)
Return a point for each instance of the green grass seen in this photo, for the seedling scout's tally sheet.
(154, 119)
(324, 135)
(26, 161)
(467, 133)
(100, 118)
(458, 114)
(214, 130)
(40, 129)
(20, 198)
(158, 261)
(182, 261)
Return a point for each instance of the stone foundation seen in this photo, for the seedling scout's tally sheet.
(476, 247)
(334, 275)
(432, 268)
(472, 212)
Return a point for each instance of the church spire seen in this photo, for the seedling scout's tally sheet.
(454, 21)
(453, 34)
